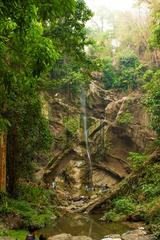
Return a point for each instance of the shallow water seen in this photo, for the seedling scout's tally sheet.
(84, 225)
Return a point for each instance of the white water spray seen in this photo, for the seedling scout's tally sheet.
(84, 116)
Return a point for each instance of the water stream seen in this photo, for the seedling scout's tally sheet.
(84, 116)
(84, 225)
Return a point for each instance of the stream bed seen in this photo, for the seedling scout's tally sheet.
(84, 225)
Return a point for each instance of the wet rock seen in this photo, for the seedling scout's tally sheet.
(112, 237)
(81, 238)
(136, 235)
(65, 236)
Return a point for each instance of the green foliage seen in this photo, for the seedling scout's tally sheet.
(30, 214)
(148, 186)
(20, 234)
(3, 198)
(31, 42)
(124, 205)
(69, 77)
(128, 61)
(141, 198)
(4, 124)
(109, 74)
(153, 174)
(36, 135)
(155, 37)
(126, 75)
(152, 101)
(151, 190)
(72, 124)
(156, 230)
(125, 118)
(137, 159)
(127, 72)
(34, 204)
(148, 75)
(112, 216)
(121, 207)
(69, 33)
(34, 194)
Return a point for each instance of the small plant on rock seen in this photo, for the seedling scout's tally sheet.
(124, 205)
(125, 118)
(137, 159)
(112, 216)
(72, 124)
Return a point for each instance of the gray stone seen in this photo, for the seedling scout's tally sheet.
(109, 238)
(62, 236)
(65, 236)
(81, 238)
(136, 235)
(113, 236)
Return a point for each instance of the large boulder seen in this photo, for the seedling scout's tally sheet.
(65, 236)
(136, 235)
(112, 237)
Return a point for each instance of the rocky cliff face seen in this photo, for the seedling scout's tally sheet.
(117, 124)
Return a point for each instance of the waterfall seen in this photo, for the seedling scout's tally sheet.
(85, 129)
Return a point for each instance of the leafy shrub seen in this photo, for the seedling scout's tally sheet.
(34, 204)
(20, 234)
(112, 216)
(148, 75)
(3, 198)
(124, 205)
(137, 159)
(151, 190)
(156, 230)
(72, 124)
(125, 119)
(109, 74)
(152, 101)
(34, 194)
(153, 174)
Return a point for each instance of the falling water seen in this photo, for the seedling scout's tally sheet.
(84, 116)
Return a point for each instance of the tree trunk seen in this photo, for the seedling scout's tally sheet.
(11, 160)
(3, 153)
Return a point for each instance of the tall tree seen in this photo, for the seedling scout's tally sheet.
(27, 55)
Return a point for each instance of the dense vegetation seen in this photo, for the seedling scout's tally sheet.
(32, 41)
(128, 70)
(35, 37)
(45, 46)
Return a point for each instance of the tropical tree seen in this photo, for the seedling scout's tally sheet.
(31, 40)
